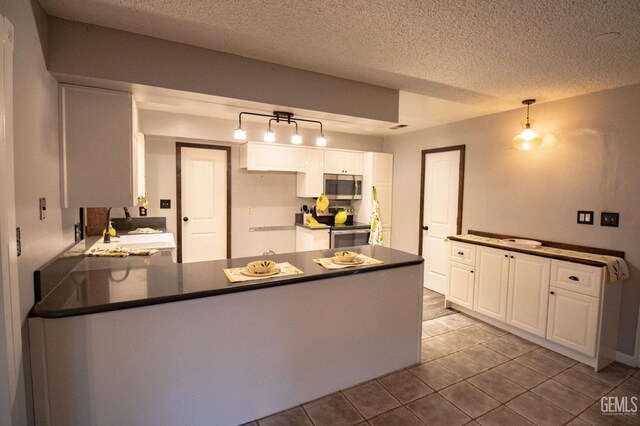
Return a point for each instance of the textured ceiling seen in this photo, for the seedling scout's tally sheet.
(483, 56)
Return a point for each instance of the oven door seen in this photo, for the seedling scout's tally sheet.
(340, 187)
(349, 238)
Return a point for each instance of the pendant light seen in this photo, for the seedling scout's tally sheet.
(296, 138)
(527, 139)
(269, 136)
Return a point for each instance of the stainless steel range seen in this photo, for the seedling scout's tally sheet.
(345, 235)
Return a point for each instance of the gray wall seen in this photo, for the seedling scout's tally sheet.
(595, 165)
(36, 169)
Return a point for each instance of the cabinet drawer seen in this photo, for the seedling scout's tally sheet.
(462, 253)
(582, 279)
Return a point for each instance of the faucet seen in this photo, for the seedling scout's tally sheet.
(107, 235)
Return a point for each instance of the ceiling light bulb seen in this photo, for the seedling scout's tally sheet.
(296, 139)
(240, 134)
(527, 140)
(269, 136)
(321, 141)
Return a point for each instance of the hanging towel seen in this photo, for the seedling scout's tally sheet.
(375, 236)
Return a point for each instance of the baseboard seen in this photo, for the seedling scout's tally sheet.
(626, 359)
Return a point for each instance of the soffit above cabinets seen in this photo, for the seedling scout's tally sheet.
(455, 59)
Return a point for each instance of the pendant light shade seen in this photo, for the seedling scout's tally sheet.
(527, 139)
(280, 117)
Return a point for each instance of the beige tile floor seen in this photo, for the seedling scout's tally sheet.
(473, 373)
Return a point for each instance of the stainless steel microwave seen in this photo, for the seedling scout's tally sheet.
(343, 187)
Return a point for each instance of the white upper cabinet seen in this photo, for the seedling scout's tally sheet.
(343, 162)
(310, 183)
(378, 172)
(260, 156)
(99, 158)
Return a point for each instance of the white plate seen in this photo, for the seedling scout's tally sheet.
(247, 272)
(356, 261)
(515, 242)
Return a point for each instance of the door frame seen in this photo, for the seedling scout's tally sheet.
(460, 148)
(179, 146)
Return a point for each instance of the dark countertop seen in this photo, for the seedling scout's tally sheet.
(313, 228)
(91, 285)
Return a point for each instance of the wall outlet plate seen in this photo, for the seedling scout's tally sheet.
(142, 211)
(43, 208)
(585, 217)
(165, 204)
(609, 219)
(77, 229)
(18, 243)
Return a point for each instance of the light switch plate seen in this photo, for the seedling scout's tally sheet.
(165, 204)
(585, 217)
(43, 208)
(609, 219)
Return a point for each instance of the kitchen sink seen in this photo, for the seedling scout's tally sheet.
(139, 241)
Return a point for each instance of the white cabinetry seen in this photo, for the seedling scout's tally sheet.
(271, 157)
(100, 153)
(565, 306)
(492, 282)
(528, 292)
(343, 162)
(378, 172)
(574, 300)
(573, 320)
(461, 274)
(310, 183)
(312, 239)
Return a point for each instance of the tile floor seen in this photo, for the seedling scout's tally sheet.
(433, 305)
(473, 373)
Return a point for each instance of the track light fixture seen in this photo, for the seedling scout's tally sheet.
(279, 117)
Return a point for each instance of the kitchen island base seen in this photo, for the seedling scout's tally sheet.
(226, 359)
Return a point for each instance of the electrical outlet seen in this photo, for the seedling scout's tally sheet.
(609, 219)
(249, 210)
(585, 217)
(143, 211)
(165, 204)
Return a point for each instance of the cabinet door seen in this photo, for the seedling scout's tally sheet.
(334, 161)
(384, 202)
(97, 149)
(528, 292)
(310, 183)
(492, 270)
(573, 320)
(263, 157)
(461, 278)
(312, 239)
(354, 163)
(386, 236)
(382, 168)
(139, 167)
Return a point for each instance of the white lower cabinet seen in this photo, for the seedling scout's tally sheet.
(312, 239)
(491, 283)
(461, 280)
(573, 320)
(527, 294)
(568, 305)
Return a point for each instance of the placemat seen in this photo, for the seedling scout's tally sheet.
(235, 275)
(327, 263)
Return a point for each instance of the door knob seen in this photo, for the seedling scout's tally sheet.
(185, 219)
(425, 227)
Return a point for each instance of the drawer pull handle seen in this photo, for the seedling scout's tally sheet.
(461, 253)
(574, 278)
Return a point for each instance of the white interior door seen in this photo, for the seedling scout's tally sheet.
(204, 204)
(440, 215)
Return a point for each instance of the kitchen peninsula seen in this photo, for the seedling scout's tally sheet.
(148, 341)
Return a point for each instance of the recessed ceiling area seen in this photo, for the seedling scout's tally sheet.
(451, 60)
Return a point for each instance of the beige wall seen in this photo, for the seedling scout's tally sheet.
(594, 166)
(36, 170)
(257, 198)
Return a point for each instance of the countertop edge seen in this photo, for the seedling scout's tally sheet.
(62, 313)
(531, 252)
